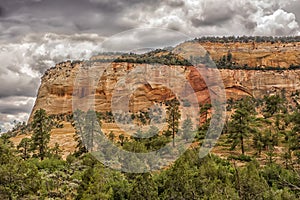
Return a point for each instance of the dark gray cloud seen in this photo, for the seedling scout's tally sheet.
(213, 15)
(23, 86)
(107, 17)
(14, 108)
(62, 17)
(1, 12)
(15, 104)
(152, 38)
(176, 3)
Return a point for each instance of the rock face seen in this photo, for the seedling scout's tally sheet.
(258, 83)
(104, 81)
(57, 89)
(136, 86)
(257, 54)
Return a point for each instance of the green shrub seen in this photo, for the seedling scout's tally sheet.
(241, 157)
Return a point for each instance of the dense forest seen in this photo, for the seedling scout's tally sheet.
(262, 136)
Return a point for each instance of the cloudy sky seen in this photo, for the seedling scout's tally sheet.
(36, 34)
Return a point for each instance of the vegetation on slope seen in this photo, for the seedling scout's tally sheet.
(255, 169)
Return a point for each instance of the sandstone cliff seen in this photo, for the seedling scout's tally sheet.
(254, 54)
(57, 88)
(58, 85)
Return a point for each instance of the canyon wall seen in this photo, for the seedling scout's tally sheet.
(257, 54)
(59, 84)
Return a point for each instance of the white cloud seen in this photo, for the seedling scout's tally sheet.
(217, 17)
(277, 23)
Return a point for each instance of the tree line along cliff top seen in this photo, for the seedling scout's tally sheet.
(244, 52)
(247, 39)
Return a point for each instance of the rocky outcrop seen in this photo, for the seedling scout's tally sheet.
(258, 83)
(104, 81)
(253, 54)
(56, 91)
(137, 86)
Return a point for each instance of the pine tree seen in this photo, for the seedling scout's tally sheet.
(273, 105)
(173, 116)
(239, 126)
(144, 187)
(122, 139)
(24, 147)
(294, 136)
(56, 151)
(41, 126)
